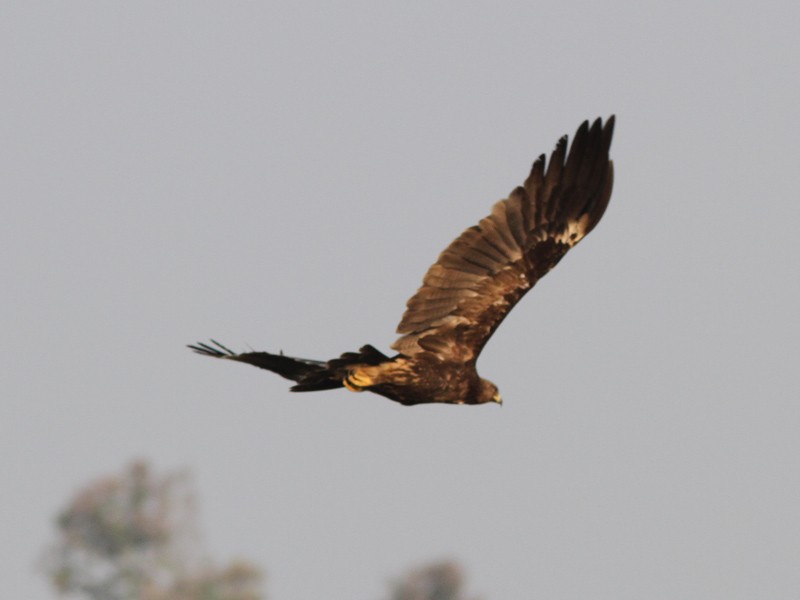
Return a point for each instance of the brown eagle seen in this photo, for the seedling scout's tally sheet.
(471, 288)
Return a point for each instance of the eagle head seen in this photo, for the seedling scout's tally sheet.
(488, 392)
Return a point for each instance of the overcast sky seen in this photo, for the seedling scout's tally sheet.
(281, 175)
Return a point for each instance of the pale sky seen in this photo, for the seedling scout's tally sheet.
(281, 175)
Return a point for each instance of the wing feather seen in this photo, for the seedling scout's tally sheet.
(483, 273)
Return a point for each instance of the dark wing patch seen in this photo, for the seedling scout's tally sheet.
(484, 272)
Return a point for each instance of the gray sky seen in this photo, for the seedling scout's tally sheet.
(282, 174)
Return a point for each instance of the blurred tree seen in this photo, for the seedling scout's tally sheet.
(437, 581)
(236, 582)
(133, 537)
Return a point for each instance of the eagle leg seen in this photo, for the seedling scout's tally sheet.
(350, 386)
(356, 380)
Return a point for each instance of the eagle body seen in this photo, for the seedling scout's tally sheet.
(423, 379)
(471, 288)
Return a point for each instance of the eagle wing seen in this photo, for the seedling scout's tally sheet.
(484, 272)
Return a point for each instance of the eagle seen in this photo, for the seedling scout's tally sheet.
(472, 286)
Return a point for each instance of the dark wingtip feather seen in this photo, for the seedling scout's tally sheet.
(537, 172)
(609, 128)
(603, 178)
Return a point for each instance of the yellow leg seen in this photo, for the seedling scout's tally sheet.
(357, 380)
(350, 386)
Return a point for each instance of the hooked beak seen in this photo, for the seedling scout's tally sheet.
(498, 398)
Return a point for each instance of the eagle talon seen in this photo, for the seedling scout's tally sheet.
(350, 386)
(357, 380)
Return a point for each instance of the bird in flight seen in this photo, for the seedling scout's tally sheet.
(470, 289)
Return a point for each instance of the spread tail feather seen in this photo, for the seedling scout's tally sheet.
(290, 368)
(309, 375)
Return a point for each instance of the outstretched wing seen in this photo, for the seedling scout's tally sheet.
(479, 278)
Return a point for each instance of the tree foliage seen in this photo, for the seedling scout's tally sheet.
(133, 537)
(437, 581)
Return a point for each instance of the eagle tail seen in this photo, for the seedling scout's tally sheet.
(294, 369)
(309, 375)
